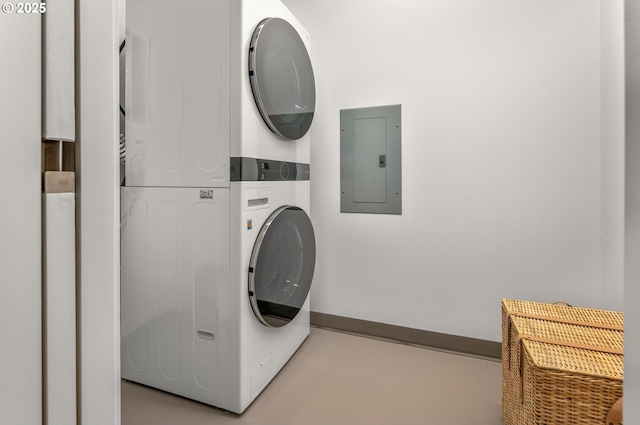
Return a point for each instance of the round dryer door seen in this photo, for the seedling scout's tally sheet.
(282, 78)
(281, 266)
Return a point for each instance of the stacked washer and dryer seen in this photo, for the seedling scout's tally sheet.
(218, 251)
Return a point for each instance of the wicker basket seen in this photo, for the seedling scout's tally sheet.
(561, 365)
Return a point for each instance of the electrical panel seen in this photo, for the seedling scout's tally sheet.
(370, 160)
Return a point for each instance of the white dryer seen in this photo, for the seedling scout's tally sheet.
(281, 83)
(214, 80)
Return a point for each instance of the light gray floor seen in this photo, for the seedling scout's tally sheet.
(340, 379)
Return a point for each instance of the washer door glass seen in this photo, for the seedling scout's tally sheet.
(281, 266)
(282, 78)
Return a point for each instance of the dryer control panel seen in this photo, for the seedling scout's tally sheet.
(253, 169)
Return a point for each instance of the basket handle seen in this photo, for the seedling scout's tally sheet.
(569, 344)
(614, 417)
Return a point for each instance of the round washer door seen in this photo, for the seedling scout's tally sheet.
(282, 79)
(281, 266)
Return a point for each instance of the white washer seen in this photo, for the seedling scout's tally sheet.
(176, 315)
(190, 88)
(276, 247)
(213, 304)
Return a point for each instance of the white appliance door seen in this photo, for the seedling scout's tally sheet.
(282, 79)
(281, 266)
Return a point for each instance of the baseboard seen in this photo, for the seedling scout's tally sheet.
(460, 344)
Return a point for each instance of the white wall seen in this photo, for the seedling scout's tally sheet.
(20, 217)
(632, 229)
(505, 117)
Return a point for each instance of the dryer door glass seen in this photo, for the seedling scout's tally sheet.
(282, 78)
(281, 266)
